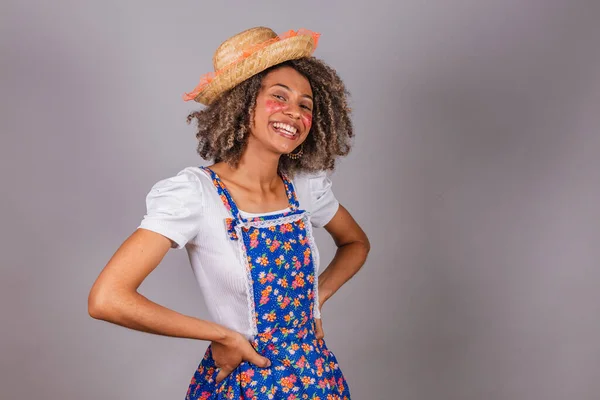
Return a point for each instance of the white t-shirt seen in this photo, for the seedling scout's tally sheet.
(187, 209)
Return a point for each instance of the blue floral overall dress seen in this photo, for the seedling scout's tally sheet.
(278, 256)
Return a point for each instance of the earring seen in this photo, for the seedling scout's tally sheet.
(298, 154)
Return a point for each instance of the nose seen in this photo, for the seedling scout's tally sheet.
(293, 110)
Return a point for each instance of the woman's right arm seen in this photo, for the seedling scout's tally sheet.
(114, 296)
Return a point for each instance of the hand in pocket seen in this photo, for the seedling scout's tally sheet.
(231, 352)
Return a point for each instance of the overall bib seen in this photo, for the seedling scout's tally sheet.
(278, 253)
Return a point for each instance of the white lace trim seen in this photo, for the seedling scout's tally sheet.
(316, 260)
(275, 221)
(249, 286)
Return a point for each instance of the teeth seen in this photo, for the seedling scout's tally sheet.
(285, 127)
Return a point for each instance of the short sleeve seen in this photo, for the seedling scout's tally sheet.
(324, 203)
(174, 208)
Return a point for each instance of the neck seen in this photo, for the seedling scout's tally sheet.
(258, 166)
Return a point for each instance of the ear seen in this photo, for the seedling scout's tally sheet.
(251, 117)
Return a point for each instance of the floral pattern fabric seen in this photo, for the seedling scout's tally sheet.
(278, 254)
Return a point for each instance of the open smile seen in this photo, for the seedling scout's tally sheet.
(285, 130)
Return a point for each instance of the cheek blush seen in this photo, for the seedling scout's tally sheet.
(273, 106)
(307, 120)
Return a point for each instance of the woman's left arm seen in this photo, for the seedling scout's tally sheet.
(353, 247)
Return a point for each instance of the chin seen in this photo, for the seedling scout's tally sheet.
(285, 146)
(278, 144)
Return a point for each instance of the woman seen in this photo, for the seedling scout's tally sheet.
(275, 120)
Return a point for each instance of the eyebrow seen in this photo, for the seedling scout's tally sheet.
(285, 87)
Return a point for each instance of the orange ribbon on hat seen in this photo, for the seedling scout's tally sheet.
(206, 79)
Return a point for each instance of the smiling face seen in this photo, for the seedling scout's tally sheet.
(283, 112)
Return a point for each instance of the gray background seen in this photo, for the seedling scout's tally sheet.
(475, 174)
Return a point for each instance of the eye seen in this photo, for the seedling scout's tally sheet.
(306, 107)
(279, 97)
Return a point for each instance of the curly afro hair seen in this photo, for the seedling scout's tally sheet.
(224, 125)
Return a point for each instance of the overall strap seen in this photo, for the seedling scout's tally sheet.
(230, 205)
(224, 194)
(291, 192)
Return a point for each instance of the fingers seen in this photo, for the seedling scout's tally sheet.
(253, 357)
(258, 360)
(223, 373)
(228, 358)
(319, 333)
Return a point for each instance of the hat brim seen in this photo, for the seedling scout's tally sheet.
(284, 50)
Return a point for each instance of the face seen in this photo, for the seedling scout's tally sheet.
(283, 113)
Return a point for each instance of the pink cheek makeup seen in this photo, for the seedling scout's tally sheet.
(273, 106)
(307, 120)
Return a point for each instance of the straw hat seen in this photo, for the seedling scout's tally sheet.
(248, 53)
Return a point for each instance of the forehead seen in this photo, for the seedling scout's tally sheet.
(289, 77)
